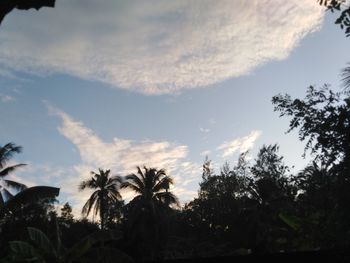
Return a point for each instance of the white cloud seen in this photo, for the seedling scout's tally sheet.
(154, 46)
(239, 145)
(121, 156)
(204, 130)
(6, 98)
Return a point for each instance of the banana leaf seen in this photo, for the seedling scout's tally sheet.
(30, 195)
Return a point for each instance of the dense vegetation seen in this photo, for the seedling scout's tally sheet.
(256, 206)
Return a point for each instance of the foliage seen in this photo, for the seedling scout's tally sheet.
(66, 213)
(147, 214)
(42, 249)
(29, 195)
(6, 153)
(339, 5)
(151, 186)
(106, 191)
(323, 121)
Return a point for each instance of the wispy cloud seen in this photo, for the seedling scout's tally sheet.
(122, 156)
(239, 144)
(6, 98)
(156, 47)
(204, 130)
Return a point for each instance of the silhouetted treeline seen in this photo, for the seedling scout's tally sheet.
(253, 207)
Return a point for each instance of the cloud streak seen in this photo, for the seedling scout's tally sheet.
(122, 156)
(6, 98)
(239, 145)
(156, 47)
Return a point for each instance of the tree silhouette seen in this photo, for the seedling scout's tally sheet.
(6, 153)
(344, 9)
(323, 121)
(322, 118)
(6, 6)
(147, 213)
(66, 212)
(106, 190)
(151, 186)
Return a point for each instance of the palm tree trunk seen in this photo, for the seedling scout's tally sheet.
(102, 210)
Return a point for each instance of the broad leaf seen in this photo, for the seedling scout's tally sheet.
(291, 221)
(41, 240)
(22, 251)
(31, 195)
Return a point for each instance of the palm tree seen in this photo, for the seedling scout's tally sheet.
(151, 186)
(106, 190)
(147, 218)
(6, 153)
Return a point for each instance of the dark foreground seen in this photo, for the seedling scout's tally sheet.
(309, 256)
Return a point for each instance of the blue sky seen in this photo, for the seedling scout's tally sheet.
(114, 84)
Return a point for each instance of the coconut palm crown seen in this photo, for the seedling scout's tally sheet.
(106, 191)
(151, 185)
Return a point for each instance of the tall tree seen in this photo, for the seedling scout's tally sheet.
(106, 190)
(274, 192)
(322, 119)
(147, 214)
(6, 153)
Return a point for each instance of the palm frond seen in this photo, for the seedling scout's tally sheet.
(17, 186)
(140, 173)
(115, 180)
(161, 173)
(90, 203)
(91, 184)
(163, 184)
(7, 151)
(135, 180)
(167, 198)
(346, 77)
(32, 195)
(97, 207)
(132, 187)
(114, 196)
(10, 169)
(114, 189)
(6, 194)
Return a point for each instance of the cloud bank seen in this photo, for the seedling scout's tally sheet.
(154, 46)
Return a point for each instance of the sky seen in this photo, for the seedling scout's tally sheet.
(116, 84)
